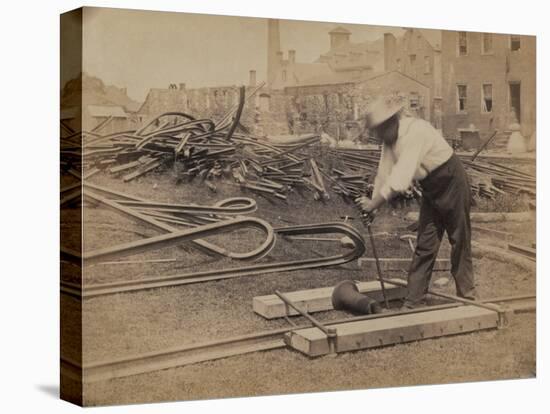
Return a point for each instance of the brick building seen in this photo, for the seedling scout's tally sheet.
(345, 59)
(488, 81)
(417, 54)
(360, 59)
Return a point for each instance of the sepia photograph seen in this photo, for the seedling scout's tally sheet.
(256, 206)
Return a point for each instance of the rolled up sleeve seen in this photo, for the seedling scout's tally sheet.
(384, 169)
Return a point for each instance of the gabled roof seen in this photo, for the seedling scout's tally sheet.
(132, 107)
(394, 72)
(332, 78)
(341, 78)
(104, 111)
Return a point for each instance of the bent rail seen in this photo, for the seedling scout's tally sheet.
(102, 289)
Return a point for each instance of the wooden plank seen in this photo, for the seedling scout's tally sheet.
(317, 300)
(399, 263)
(393, 330)
(502, 235)
(523, 250)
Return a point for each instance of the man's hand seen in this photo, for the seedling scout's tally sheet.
(368, 209)
(368, 218)
(366, 204)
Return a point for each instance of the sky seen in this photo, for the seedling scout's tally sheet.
(140, 50)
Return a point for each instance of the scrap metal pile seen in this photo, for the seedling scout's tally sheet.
(489, 178)
(201, 149)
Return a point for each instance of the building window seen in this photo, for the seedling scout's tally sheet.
(462, 96)
(486, 43)
(462, 43)
(412, 62)
(414, 101)
(515, 43)
(399, 65)
(487, 98)
(284, 75)
(427, 68)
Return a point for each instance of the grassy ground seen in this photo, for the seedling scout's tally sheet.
(118, 325)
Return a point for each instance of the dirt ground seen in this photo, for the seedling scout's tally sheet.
(130, 323)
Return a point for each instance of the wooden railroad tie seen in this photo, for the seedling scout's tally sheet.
(390, 330)
(318, 300)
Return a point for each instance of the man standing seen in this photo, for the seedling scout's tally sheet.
(414, 150)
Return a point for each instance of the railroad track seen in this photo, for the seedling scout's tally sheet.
(233, 346)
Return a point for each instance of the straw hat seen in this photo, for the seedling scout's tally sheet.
(381, 110)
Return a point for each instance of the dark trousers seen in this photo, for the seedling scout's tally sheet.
(445, 207)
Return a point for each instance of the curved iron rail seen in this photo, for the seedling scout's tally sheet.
(358, 250)
(227, 206)
(200, 125)
(177, 237)
(238, 114)
(203, 245)
(140, 131)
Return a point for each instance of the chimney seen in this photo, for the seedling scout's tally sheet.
(182, 86)
(291, 56)
(252, 78)
(273, 46)
(389, 51)
(280, 57)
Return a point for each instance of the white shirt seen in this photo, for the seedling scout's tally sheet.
(419, 150)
